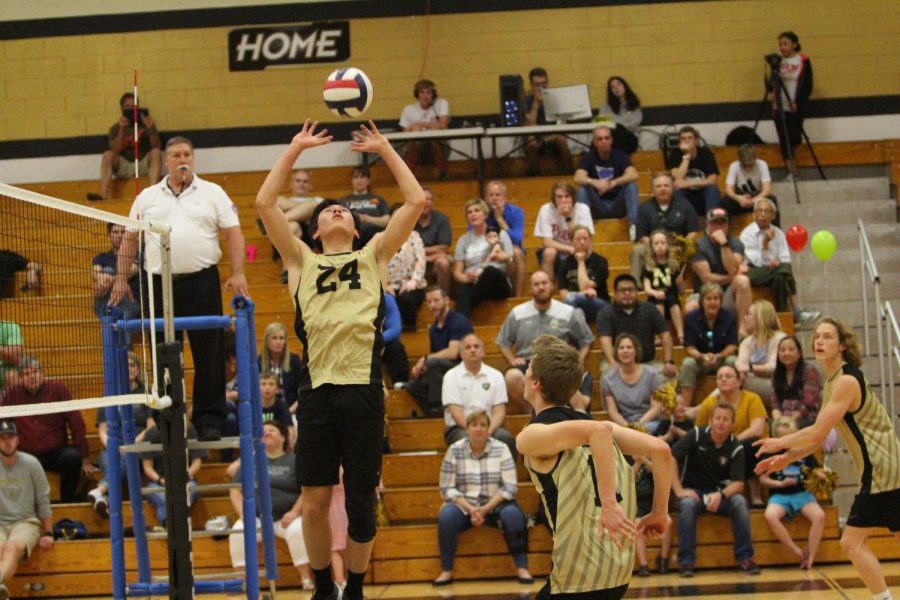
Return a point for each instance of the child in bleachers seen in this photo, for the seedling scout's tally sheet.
(643, 480)
(788, 497)
(663, 280)
(273, 407)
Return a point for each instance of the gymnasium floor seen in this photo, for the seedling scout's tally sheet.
(827, 582)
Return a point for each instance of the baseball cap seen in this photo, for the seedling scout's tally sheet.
(717, 214)
(8, 427)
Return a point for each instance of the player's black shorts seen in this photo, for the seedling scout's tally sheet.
(340, 425)
(608, 594)
(876, 510)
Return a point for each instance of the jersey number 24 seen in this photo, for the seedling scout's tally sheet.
(349, 273)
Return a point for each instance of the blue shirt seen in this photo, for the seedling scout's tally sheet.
(698, 334)
(515, 218)
(456, 327)
(391, 328)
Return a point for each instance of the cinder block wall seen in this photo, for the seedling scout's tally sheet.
(682, 53)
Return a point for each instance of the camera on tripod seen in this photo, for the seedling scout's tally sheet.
(774, 61)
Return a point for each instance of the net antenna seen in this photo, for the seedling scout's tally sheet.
(71, 248)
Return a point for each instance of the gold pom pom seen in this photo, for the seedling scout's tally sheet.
(686, 247)
(819, 482)
(667, 395)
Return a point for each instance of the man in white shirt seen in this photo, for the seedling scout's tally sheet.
(197, 210)
(554, 226)
(767, 253)
(472, 385)
(429, 112)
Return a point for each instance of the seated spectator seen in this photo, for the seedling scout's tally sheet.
(674, 215)
(298, 207)
(788, 496)
(663, 281)
(393, 356)
(277, 359)
(287, 504)
(748, 181)
(583, 276)
(644, 486)
(445, 335)
(475, 279)
(695, 171)
(153, 466)
(627, 389)
(750, 422)
(710, 341)
(767, 254)
(607, 180)
(372, 209)
(510, 218)
(273, 407)
(406, 277)
(526, 322)
(118, 161)
(434, 229)
(758, 351)
(623, 105)
(143, 420)
(26, 520)
(103, 272)
(720, 260)
(478, 485)
(554, 225)
(57, 440)
(12, 263)
(627, 314)
(428, 112)
(10, 355)
(554, 144)
(712, 467)
(796, 384)
(473, 385)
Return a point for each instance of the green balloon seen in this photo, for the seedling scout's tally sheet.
(823, 245)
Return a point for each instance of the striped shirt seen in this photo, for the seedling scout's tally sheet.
(478, 478)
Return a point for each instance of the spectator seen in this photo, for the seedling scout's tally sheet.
(795, 70)
(372, 209)
(749, 420)
(767, 254)
(118, 161)
(788, 496)
(627, 314)
(10, 355)
(607, 180)
(627, 389)
(526, 322)
(428, 113)
(12, 263)
(434, 229)
(143, 420)
(273, 407)
(710, 341)
(583, 276)
(748, 181)
(796, 385)
(478, 485)
(662, 279)
(393, 356)
(695, 171)
(298, 207)
(25, 516)
(152, 464)
(758, 351)
(196, 287)
(720, 260)
(554, 225)
(57, 440)
(445, 335)
(474, 386)
(103, 272)
(663, 211)
(287, 504)
(625, 108)
(554, 144)
(406, 277)
(277, 359)
(510, 218)
(474, 282)
(712, 479)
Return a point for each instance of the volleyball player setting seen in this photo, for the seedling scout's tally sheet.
(348, 92)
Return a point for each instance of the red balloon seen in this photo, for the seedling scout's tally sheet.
(797, 236)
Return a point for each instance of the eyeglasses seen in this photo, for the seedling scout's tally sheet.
(628, 290)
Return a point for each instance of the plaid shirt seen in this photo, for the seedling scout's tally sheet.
(477, 479)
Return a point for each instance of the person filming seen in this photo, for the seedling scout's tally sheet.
(792, 80)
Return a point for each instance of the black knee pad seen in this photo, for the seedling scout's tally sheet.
(360, 505)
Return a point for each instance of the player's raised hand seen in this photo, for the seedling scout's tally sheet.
(308, 137)
(369, 139)
(614, 521)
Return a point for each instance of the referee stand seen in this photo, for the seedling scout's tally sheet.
(180, 582)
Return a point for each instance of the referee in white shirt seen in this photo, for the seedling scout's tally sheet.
(197, 211)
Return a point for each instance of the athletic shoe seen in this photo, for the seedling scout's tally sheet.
(94, 196)
(99, 504)
(643, 571)
(399, 385)
(632, 232)
(801, 315)
(686, 570)
(662, 565)
(749, 567)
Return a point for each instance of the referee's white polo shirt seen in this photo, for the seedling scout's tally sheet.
(196, 216)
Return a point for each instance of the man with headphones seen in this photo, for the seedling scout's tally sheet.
(428, 112)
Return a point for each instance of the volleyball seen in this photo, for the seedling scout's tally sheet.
(347, 92)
